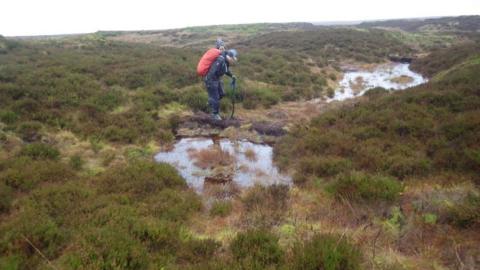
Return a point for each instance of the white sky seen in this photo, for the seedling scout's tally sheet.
(40, 17)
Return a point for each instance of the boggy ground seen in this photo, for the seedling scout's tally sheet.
(390, 192)
(266, 123)
(260, 125)
(79, 189)
(220, 214)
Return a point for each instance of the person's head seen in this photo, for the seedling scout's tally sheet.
(220, 44)
(232, 56)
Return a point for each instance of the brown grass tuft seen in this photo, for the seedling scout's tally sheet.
(250, 154)
(211, 157)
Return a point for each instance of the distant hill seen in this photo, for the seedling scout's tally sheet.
(201, 36)
(332, 43)
(461, 23)
(197, 36)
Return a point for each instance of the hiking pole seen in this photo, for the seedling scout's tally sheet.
(233, 85)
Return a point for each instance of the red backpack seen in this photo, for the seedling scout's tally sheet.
(206, 61)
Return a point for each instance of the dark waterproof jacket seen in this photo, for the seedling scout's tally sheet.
(219, 68)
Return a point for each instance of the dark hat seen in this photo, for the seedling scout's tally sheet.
(232, 53)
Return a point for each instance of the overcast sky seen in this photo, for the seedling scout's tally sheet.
(40, 17)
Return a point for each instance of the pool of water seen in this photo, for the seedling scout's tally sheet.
(356, 83)
(249, 163)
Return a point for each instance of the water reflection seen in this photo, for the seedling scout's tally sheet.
(249, 163)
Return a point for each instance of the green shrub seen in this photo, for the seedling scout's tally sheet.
(324, 166)
(256, 249)
(330, 92)
(376, 92)
(24, 173)
(195, 98)
(265, 206)
(147, 100)
(171, 204)
(141, 178)
(165, 136)
(221, 208)
(11, 262)
(40, 151)
(362, 186)
(107, 248)
(327, 252)
(6, 198)
(25, 106)
(118, 134)
(364, 133)
(459, 127)
(197, 250)
(110, 99)
(430, 218)
(265, 97)
(403, 166)
(395, 221)
(95, 144)
(158, 235)
(164, 238)
(77, 162)
(467, 212)
(134, 153)
(35, 227)
(8, 117)
(61, 202)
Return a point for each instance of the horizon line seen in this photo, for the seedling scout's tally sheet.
(315, 23)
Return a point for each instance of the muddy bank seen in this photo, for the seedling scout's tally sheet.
(202, 125)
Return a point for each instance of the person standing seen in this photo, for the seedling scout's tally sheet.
(213, 79)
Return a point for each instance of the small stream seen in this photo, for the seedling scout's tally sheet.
(248, 163)
(390, 76)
